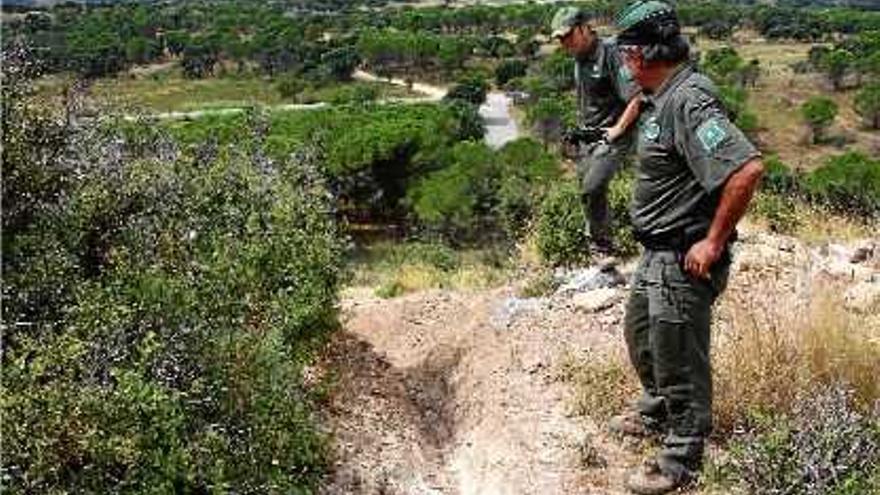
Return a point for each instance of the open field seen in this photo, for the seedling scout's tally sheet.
(779, 94)
(166, 90)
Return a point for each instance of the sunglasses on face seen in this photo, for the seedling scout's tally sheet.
(631, 51)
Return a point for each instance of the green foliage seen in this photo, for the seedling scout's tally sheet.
(723, 64)
(849, 182)
(560, 227)
(619, 200)
(819, 112)
(452, 199)
(290, 86)
(470, 122)
(510, 69)
(826, 447)
(526, 172)
(340, 63)
(549, 116)
(371, 152)
(541, 284)
(558, 71)
(867, 104)
(778, 210)
(480, 192)
(162, 309)
(471, 90)
(836, 64)
(356, 94)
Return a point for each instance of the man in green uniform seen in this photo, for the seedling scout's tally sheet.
(604, 91)
(695, 176)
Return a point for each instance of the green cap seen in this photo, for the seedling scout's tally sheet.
(641, 10)
(566, 19)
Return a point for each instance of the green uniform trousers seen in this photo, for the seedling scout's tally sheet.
(667, 322)
(595, 169)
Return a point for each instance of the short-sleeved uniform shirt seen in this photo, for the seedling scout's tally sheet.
(604, 86)
(686, 149)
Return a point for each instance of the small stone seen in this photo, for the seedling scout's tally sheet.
(862, 254)
(595, 300)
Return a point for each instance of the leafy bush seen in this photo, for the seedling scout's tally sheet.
(619, 200)
(779, 212)
(371, 152)
(526, 172)
(356, 94)
(160, 308)
(481, 192)
(453, 199)
(560, 227)
(824, 447)
(471, 90)
(849, 182)
(867, 104)
(819, 112)
(510, 69)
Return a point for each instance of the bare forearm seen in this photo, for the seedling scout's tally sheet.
(735, 198)
(629, 115)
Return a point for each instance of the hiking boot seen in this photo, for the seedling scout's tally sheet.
(649, 479)
(634, 424)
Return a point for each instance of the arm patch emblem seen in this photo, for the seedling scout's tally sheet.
(711, 133)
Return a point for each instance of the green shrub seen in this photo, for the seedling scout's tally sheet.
(849, 183)
(164, 307)
(526, 172)
(510, 69)
(867, 104)
(819, 112)
(481, 192)
(778, 211)
(619, 200)
(560, 227)
(825, 447)
(354, 94)
(290, 86)
(453, 200)
(779, 178)
(471, 89)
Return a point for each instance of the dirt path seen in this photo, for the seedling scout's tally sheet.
(448, 392)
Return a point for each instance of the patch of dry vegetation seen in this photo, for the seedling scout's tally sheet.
(392, 268)
(604, 383)
(772, 354)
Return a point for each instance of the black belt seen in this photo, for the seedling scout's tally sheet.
(679, 240)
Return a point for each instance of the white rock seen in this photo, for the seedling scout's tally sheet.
(863, 297)
(595, 300)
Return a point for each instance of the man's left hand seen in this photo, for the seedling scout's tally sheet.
(701, 256)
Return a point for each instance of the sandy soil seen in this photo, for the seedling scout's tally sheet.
(452, 392)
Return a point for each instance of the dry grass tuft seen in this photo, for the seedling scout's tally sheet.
(773, 355)
(604, 384)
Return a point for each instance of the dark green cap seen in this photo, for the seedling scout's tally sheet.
(641, 11)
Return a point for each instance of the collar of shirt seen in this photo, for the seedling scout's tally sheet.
(673, 81)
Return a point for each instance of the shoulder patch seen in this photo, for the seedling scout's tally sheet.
(711, 133)
(624, 74)
(651, 129)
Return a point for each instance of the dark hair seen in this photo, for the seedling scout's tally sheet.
(674, 49)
